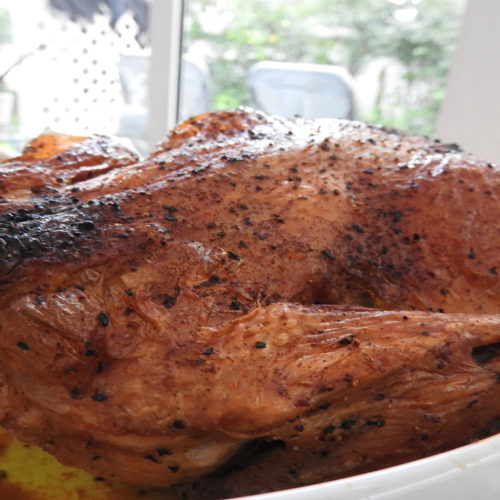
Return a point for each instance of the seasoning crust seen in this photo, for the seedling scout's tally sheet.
(260, 303)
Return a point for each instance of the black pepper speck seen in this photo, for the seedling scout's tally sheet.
(348, 424)
(163, 451)
(358, 228)
(99, 396)
(328, 254)
(168, 301)
(103, 318)
(75, 393)
(233, 256)
(170, 208)
(178, 424)
(346, 340)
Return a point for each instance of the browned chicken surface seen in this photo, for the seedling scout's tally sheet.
(261, 303)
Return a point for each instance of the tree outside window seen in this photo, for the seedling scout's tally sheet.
(398, 51)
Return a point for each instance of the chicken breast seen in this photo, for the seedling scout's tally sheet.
(261, 303)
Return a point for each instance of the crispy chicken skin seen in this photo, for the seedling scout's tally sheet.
(261, 303)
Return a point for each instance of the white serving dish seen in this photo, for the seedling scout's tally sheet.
(471, 472)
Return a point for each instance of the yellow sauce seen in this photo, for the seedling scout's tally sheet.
(29, 473)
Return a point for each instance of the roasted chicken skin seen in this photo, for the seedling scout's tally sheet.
(259, 304)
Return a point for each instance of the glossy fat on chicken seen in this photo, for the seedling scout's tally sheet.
(261, 303)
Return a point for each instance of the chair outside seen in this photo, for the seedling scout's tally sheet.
(194, 92)
(309, 90)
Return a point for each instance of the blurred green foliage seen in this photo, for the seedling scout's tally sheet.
(416, 35)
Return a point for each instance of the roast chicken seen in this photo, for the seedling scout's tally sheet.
(261, 303)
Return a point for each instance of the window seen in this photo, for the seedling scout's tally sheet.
(95, 67)
(397, 52)
(75, 67)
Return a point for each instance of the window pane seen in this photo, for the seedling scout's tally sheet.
(76, 67)
(396, 51)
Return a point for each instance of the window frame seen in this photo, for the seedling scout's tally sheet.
(166, 30)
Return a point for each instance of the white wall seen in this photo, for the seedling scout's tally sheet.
(470, 114)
